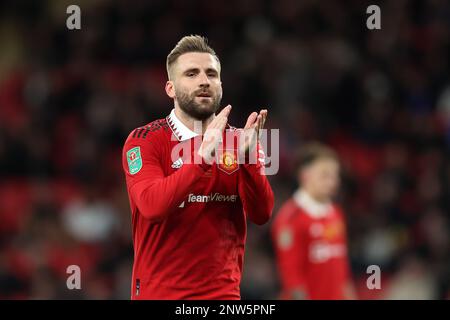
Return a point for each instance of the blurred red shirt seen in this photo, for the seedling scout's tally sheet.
(311, 249)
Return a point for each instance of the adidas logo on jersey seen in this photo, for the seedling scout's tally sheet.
(177, 164)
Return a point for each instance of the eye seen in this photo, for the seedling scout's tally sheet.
(211, 73)
(190, 74)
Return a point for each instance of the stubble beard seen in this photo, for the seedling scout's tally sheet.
(198, 111)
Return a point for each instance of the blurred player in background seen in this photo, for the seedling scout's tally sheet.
(189, 217)
(309, 232)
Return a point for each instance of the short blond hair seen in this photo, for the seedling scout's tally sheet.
(312, 152)
(192, 43)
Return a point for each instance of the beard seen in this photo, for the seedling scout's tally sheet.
(199, 111)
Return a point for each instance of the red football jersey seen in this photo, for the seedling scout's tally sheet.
(189, 220)
(311, 249)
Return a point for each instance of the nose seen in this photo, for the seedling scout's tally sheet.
(204, 81)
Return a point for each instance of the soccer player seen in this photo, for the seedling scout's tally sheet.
(309, 232)
(189, 217)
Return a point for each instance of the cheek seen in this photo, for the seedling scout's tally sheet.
(333, 183)
(182, 89)
(318, 181)
(217, 86)
(325, 182)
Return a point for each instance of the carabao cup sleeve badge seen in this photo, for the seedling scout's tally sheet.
(134, 160)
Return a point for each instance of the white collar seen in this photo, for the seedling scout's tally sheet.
(311, 206)
(180, 131)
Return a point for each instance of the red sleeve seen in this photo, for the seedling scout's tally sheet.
(255, 191)
(155, 194)
(346, 263)
(291, 251)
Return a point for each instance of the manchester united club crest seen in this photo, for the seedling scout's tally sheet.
(227, 161)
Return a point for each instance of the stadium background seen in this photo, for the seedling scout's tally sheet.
(68, 99)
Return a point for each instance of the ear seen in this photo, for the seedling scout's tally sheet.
(170, 89)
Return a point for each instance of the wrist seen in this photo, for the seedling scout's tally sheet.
(203, 161)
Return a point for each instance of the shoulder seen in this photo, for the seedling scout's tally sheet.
(157, 129)
(151, 129)
(147, 139)
(338, 210)
(285, 227)
(287, 214)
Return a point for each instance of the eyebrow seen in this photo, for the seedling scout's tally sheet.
(211, 70)
(196, 70)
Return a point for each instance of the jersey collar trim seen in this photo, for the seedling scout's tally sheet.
(312, 207)
(180, 131)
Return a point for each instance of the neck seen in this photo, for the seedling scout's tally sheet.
(192, 123)
(313, 207)
(317, 198)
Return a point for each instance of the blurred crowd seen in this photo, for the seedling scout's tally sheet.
(68, 99)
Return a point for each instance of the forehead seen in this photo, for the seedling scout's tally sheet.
(198, 60)
(325, 164)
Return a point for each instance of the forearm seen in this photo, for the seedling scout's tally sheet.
(256, 193)
(157, 198)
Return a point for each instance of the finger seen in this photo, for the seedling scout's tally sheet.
(263, 114)
(224, 113)
(221, 122)
(258, 123)
(251, 119)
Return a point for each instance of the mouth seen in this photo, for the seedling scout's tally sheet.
(204, 95)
